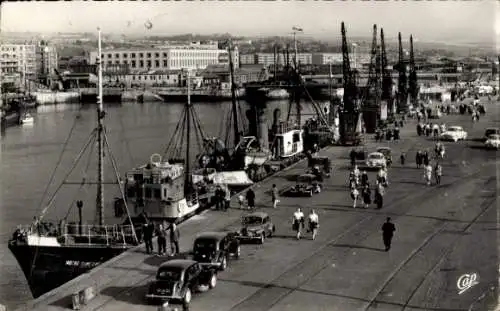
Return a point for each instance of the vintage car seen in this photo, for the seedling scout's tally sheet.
(178, 279)
(256, 226)
(454, 133)
(376, 160)
(387, 152)
(493, 142)
(320, 166)
(301, 190)
(215, 248)
(490, 131)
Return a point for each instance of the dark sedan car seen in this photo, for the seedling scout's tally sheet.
(215, 248)
(178, 279)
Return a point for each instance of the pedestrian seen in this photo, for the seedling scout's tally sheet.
(227, 198)
(428, 174)
(367, 195)
(219, 197)
(426, 158)
(388, 229)
(418, 158)
(148, 231)
(379, 196)
(162, 240)
(364, 178)
(174, 239)
(438, 171)
(313, 223)
(298, 222)
(241, 201)
(352, 155)
(250, 199)
(354, 196)
(402, 158)
(275, 197)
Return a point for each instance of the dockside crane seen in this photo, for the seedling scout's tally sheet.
(349, 110)
(412, 79)
(402, 81)
(372, 93)
(386, 75)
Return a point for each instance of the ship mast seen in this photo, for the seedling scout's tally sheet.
(236, 130)
(100, 141)
(187, 181)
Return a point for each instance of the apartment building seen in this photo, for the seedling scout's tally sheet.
(267, 59)
(29, 59)
(166, 58)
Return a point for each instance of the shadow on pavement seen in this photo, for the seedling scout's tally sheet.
(123, 293)
(358, 247)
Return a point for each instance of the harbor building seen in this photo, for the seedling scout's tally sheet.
(267, 59)
(194, 56)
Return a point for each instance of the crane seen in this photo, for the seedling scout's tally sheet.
(349, 111)
(386, 74)
(412, 79)
(402, 81)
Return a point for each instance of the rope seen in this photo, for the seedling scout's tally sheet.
(83, 180)
(57, 165)
(174, 136)
(78, 157)
(115, 168)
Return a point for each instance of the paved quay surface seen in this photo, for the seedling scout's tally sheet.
(441, 233)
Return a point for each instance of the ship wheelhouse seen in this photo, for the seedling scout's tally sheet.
(288, 140)
(155, 188)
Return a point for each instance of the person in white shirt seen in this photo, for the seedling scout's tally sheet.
(298, 222)
(354, 196)
(313, 223)
(428, 174)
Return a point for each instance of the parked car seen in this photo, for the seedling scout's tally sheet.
(256, 226)
(178, 279)
(454, 133)
(215, 248)
(493, 142)
(387, 152)
(489, 131)
(376, 160)
(302, 190)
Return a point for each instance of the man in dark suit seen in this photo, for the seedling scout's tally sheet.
(148, 230)
(388, 229)
(174, 239)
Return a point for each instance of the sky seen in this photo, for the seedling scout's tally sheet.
(426, 20)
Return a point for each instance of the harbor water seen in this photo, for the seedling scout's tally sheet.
(30, 153)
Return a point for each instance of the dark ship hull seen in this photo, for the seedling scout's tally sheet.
(57, 265)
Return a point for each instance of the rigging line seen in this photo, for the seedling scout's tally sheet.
(51, 180)
(179, 146)
(172, 139)
(92, 144)
(77, 159)
(115, 168)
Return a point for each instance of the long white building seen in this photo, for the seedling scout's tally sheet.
(166, 58)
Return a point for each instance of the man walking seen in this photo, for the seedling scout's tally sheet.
(438, 171)
(275, 196)
(174, 239)
(250, 199)
(313, 223)
(162, 240)
(388, 229)
(148, 230)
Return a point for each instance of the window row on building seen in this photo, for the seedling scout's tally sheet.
(267, 59)
(165, 58)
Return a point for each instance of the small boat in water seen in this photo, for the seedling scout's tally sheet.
(27, 119)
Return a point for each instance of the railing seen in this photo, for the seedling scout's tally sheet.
(98, 235)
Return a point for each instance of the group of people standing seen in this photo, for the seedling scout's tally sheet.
(162, 231)
(430, 128)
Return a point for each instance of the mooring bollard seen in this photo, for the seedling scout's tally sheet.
(81, 298)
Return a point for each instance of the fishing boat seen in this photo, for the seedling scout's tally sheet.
(52, 253)
(163, 189)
